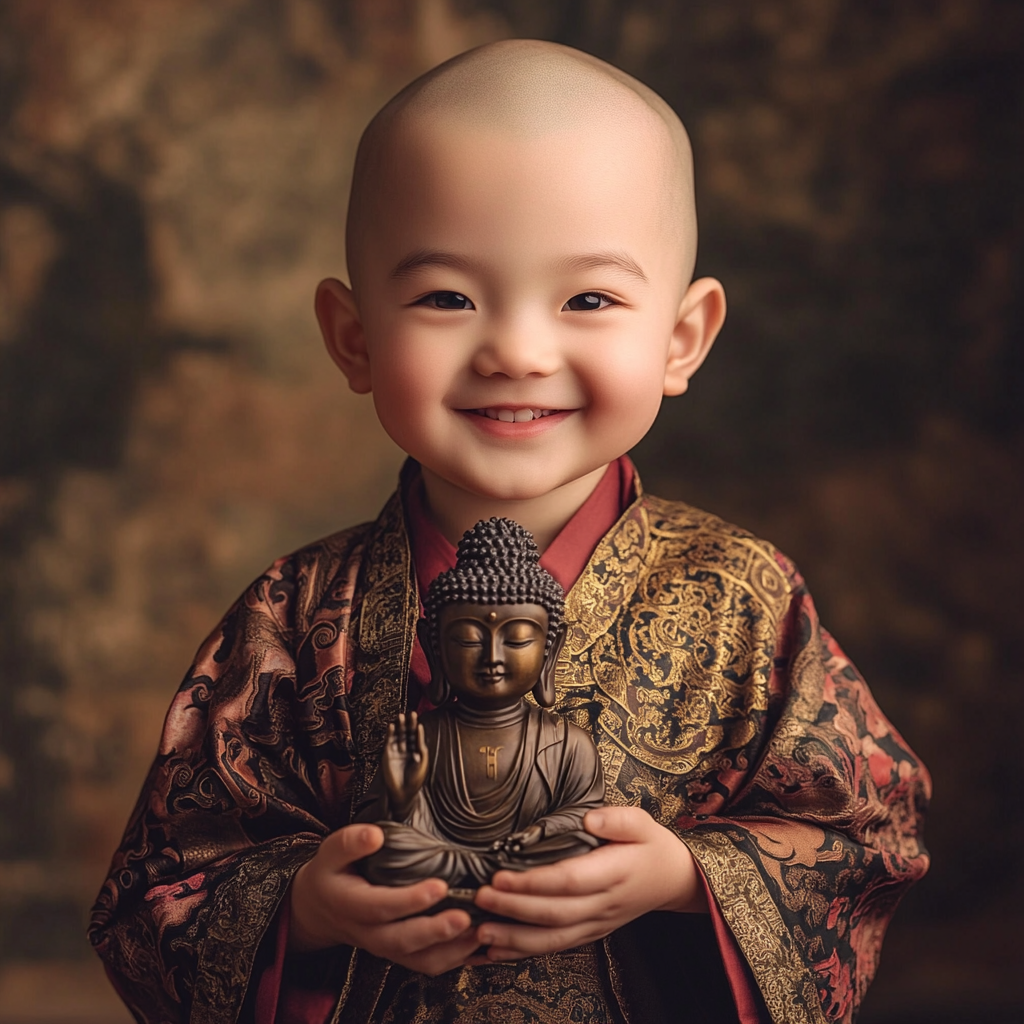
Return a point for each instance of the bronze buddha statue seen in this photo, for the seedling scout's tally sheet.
(486, 781)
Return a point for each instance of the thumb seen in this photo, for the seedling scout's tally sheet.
(349, 844)
(619, 824)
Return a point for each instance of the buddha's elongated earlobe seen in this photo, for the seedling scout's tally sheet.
(439, 691)
(544, 688)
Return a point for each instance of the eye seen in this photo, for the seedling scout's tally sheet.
(587, 301)
(463, 634)
(520, 634)
(445, 300)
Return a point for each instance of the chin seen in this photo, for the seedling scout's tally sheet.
(525, 479)
(515, 490)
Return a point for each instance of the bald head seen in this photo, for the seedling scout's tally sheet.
(524, 89)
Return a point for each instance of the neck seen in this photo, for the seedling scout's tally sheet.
(489, 717)
(454, 510)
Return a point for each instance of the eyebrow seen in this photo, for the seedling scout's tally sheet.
(600, 260)
(622, 261)
(430, 258)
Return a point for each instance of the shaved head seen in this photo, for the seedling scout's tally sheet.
(524, 89)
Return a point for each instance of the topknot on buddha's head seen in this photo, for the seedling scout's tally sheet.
(501, 545)
(497, 562)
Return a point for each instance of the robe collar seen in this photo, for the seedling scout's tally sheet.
(565, 557)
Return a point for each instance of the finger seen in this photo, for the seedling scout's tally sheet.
(421, 738)
(620, 824)
(445, 956)
(546, 911)
(575, 876)
(400, 731)
(512, 942)
(349, 844)
(384, 904)
(416, 934)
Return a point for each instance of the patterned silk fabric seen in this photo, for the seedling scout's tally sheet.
(717, 702)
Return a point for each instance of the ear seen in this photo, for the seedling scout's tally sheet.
(342, 330)
(544, 688)
(439, 691)
(701, 315)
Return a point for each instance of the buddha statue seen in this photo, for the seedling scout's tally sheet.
(487, 780)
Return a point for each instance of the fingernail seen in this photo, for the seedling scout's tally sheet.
(486, 937)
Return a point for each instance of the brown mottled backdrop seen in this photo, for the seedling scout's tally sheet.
(173, 180)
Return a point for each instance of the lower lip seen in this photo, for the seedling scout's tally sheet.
(517, 431)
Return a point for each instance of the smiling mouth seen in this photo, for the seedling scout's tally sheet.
(514, 415)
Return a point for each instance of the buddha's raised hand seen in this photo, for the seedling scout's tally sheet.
(404, 763)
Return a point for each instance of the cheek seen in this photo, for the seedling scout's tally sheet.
(525, 665)
(455, 661)
(400, 373)
(409, 380)
(629, 381)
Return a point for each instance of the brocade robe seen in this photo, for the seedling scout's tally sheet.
(717, 702)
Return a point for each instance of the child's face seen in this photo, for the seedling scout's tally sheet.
(519, 302)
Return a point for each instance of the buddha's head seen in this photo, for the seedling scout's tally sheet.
(493, 628)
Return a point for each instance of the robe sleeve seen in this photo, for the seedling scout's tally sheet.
(809, 859)
(232, 806)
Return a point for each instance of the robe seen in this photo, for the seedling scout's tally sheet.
(717, 703)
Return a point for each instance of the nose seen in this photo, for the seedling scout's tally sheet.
(516, 348)
(494, 653)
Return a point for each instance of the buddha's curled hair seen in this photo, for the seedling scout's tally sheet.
(497, 562)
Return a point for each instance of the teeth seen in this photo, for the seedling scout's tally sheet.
(516, 415)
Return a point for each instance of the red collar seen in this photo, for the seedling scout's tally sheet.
(565, 557)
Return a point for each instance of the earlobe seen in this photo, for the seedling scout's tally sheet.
(342, 331)
(438, 689)
(701, 315)
(544, 689)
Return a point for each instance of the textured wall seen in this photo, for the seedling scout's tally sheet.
(173, 178)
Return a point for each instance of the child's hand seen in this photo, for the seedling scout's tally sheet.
(644, 867)
(332, 905)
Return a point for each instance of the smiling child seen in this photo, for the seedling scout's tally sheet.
(521, 243)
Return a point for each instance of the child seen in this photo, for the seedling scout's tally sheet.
(521, 239)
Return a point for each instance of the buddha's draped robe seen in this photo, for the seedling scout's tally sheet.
(717, 702)
(554, 778)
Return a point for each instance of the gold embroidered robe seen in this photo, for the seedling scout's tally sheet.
(718, 704)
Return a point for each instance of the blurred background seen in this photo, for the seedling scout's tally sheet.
(173, 182)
